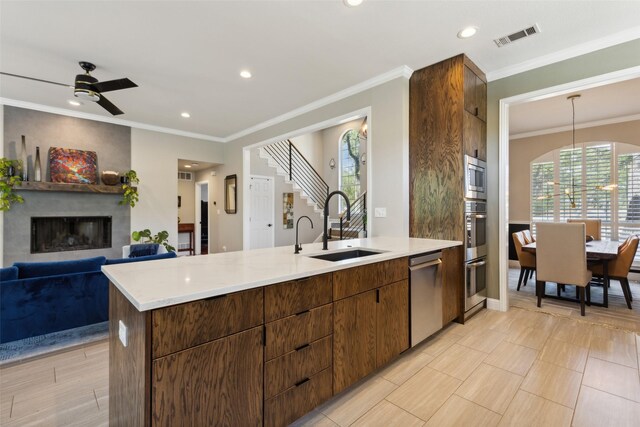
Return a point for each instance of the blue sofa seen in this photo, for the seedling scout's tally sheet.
(37, 298)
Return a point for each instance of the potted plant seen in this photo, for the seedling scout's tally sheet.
(7, 182)
(145, 236)
(130, 195)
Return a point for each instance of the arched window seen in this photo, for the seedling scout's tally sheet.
(349, 177)
(606, 184)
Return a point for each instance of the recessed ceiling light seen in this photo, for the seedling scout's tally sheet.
(352, 3)
(465, 33)
(185, 115)
(245, 74)
(194, 164)
(74, 103)
(187, 166)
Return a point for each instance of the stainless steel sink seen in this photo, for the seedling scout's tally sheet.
(341, 256)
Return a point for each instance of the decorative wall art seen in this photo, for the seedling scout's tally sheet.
(73, 166)
(287, 210)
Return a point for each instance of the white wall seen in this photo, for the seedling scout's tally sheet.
(216, 203)
(389, 156)
(154, 156)
(282, 236)
(187, 193)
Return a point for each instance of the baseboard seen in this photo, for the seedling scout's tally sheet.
(493, 304)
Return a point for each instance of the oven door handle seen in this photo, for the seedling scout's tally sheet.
(476, 264)
(481, 216)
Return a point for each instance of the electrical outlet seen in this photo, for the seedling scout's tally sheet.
(380, 212)
(122, 332)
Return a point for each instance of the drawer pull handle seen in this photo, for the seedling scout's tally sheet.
(302, 312)
(215, 297)
(299, 383)
(302, 347)
(304, 279)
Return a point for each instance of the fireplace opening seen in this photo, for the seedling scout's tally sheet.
(70, 233)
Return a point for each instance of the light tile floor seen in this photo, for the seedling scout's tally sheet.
(522, 367)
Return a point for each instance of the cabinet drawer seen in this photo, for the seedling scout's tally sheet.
(361, 279)
(287, 334)
(287, 370)
(285, 299)
(298, 400)
(187, 325)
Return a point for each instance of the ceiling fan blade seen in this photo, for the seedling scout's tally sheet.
(107, 105)
(34, 79)
(113, 85)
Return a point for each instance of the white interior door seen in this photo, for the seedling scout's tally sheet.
(261, 212)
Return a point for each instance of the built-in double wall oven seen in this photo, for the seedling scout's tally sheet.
(475, 215)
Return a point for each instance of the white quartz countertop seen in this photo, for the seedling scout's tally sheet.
(161, 283)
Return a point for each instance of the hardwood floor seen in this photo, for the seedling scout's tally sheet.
(523, 367)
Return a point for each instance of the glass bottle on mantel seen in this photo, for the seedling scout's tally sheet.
(24, 173)
(37, 176)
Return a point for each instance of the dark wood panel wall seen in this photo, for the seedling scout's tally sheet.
(435, 151)
(129, 367)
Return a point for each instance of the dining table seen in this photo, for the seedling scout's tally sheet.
(598, 251)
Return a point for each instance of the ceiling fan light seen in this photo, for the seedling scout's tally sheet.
(352, 3)
(87, 95)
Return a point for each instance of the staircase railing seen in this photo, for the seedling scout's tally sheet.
(358, 221)
(299, 170)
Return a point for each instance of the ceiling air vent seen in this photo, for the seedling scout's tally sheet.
(517, 35)
(185, 176)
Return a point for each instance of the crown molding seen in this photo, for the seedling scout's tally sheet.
(578, 126)
(98, 118)
(568, 53)
(403, 71)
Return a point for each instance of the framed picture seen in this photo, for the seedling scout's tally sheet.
(287, 210)
(230, 194)
(73, 166)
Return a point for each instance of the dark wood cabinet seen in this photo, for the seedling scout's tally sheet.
(443, 127)
(354, 339)
(370, 328)
(187, 325)
(475, 91)
(217, 383)
(392, 321)
(474, 133)
(452, 284)
(298, 348)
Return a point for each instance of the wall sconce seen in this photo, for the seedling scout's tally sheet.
(332, 163)
(363, 158)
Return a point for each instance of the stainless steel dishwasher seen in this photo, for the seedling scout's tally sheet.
(425, 295)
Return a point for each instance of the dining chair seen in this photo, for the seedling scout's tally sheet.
(527, 260)
(528, 237)
(561, 257)
(619, 267)
(593, 227)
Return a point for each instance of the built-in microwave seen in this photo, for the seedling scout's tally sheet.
(475, 178)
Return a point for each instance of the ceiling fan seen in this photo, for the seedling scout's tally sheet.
(89, 88)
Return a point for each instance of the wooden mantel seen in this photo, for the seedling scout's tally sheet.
(64, 187)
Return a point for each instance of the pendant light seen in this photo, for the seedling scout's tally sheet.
(570, 191)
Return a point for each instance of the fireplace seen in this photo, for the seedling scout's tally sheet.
(70, 233)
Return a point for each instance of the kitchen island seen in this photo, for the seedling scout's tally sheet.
(259, 337)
